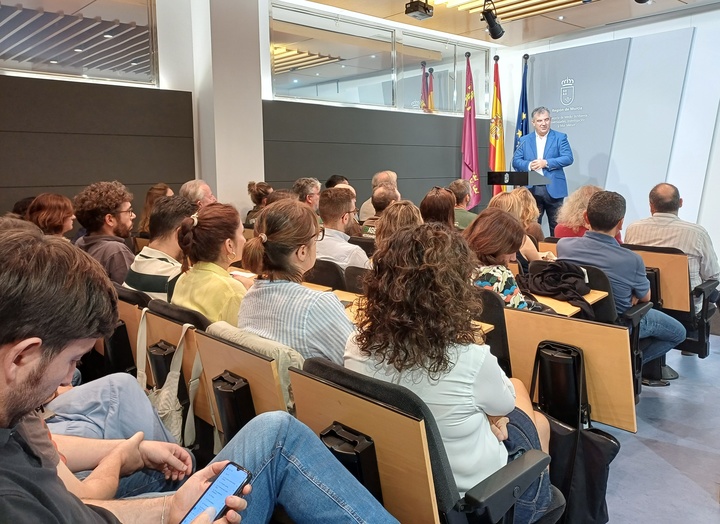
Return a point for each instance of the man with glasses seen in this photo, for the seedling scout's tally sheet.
(337, 209)
(104, 209)
(547, 152)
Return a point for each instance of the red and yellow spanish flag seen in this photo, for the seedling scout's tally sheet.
(497, 132)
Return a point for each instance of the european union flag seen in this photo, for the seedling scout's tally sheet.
(521, 127)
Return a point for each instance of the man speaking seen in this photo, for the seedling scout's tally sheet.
(547, 152)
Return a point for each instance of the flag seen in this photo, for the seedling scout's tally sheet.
(469, 147)
(430, 98)
(423, 88)
(497, 132)
(522, 128)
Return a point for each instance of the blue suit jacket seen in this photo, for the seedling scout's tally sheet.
(557, 153)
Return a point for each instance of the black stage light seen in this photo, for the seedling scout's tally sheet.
(494, 27)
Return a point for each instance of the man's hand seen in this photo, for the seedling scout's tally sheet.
(537, 164)
(192, 490)
(173, 460)
(129, 454)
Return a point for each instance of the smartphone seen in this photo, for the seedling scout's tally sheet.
(231, 480)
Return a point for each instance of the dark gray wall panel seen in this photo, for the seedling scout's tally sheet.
(61, 136)
(319, 141)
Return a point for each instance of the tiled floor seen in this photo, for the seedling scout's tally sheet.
(669, 471)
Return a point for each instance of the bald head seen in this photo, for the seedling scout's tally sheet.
(384, 177)
(665, 198)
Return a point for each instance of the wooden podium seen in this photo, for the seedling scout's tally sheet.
(516, 178)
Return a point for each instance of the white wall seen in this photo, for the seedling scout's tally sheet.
(687, 121)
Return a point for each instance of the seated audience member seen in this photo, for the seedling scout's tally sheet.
(335, 180)
(20, 207)
(495, 236)
(624, 269)
(354, 229)
(461, 189)
(665, 229)
(156, 268)
(278, 306)
(439, 206)
(56, 302)
(383, 177)
(405, 337)
(337, 207)
(307, 191)
(259, 193)
(52, 213)
(211, 240)
(198, 192)
(571, 216)
(529, 213)
(528, 251)
(104, 209)
(400, 214)
(160, 189)
(280, 194)
(382, 197)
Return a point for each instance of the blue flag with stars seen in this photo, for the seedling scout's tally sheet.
(522, 127)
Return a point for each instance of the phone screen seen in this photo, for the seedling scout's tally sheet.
(230, 481)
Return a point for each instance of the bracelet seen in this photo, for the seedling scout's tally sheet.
(162, 515)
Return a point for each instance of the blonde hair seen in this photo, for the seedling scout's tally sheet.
(398, 214)
(529, 211)
(571, 212)
(507, 202)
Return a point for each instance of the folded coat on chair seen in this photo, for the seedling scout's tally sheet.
(562, 281)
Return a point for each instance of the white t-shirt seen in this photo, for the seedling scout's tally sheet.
(459, 401)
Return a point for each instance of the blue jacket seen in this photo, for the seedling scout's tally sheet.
(557, 153)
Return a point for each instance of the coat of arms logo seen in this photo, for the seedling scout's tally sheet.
(567, 91)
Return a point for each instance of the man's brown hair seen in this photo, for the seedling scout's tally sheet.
(97, 200)
(334, 203)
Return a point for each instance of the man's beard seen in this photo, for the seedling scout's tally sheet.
(122, 231)
(24, 398)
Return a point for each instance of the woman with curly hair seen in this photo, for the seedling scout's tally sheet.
(495, 236)
(278, 306)
(52, 213)
(571, 216)
(416, 329)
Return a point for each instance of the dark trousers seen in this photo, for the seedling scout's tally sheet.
(547, 204)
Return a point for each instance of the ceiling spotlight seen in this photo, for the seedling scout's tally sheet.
(107, 36)
(488, 14)
(642, 1)
(561, 17)
(78, 50)
(53, 61)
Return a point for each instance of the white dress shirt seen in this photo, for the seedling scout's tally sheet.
(336, 248)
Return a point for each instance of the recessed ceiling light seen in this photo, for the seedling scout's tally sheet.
(53, 61)
(107, 36)
(133, 63)
(295, 81)
(561, 17)
(317, 74)
(78, 50)
(372, 56)
(342, 66)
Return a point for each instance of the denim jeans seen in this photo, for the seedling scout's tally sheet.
(291, 467)
(111, 407)
(522, 437)
(665, 332)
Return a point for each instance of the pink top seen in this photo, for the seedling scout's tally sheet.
(563, 231)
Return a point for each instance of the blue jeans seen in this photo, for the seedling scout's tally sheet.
(111, 407)
(522, 437)
(291, 467)
(665, 332)
(546, 203)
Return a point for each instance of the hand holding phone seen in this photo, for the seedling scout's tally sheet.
(231, 481)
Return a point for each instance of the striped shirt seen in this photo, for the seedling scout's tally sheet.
(668, 230)
(311, 322)
(151, 272)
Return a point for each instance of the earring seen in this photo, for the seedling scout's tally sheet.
(231, 256)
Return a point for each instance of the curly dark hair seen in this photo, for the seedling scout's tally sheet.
(419, 299)
(97, 200)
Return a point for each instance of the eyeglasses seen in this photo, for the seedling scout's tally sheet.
(126, 211)
(351, 212)
(321, 234)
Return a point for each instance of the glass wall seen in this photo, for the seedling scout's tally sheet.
(329, 58)
(104, 39)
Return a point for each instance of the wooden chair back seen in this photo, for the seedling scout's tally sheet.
(261, 372)
(606, 350)
(400, 442)
(674, 276)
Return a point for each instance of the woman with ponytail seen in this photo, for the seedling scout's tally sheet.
(278, 307)
(211, 240)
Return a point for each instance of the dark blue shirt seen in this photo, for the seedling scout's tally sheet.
(624, 269)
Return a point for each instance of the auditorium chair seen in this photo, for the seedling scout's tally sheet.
(326, 273)
(179, 314)
(354, 279)
(493, 312)
(491, 501)
(368, 244)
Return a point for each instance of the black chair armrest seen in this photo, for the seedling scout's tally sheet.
(495, 495)
(635, 314)
(703, 291)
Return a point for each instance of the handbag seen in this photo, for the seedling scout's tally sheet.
(581, 455)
